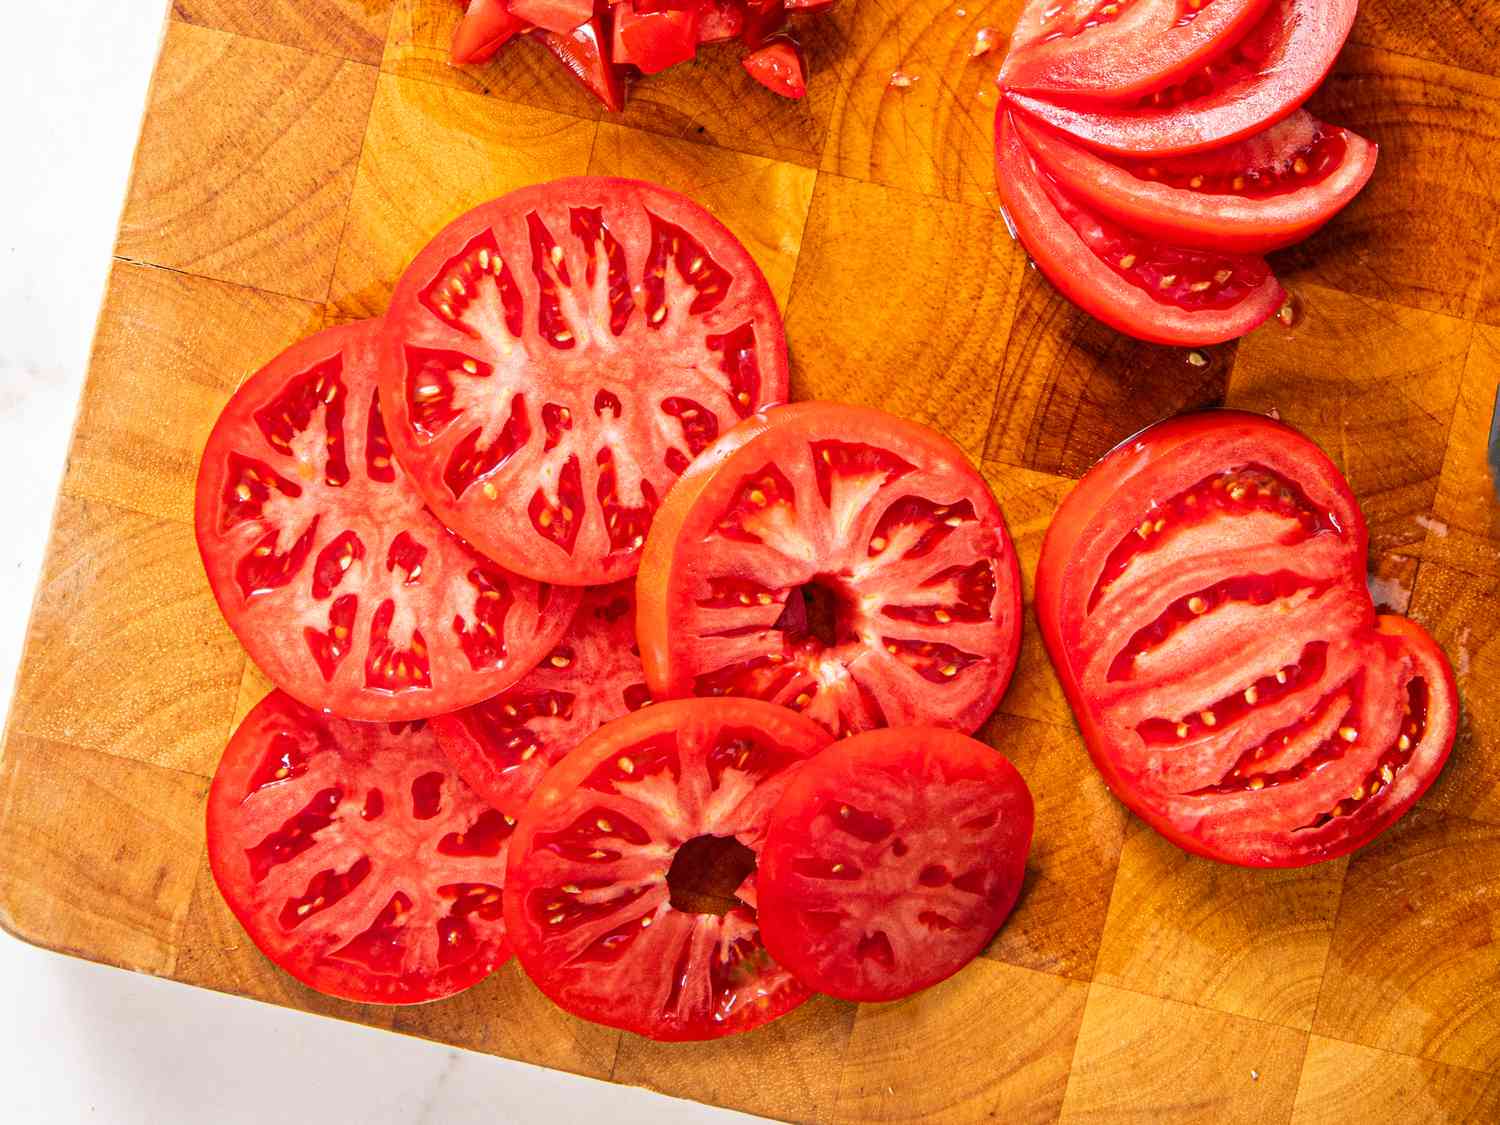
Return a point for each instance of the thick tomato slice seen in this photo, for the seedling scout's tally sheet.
(555, 359)
(1133, 282)
(1202, 594)
(1252, 85)
(588, 904)
(503, 746)
(1267, 191)
(891, 860)
(486, 26)
(839, 561)
(354, 856)
(1120, 49)
(332, 571)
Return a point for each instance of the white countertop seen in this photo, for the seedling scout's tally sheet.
(79, 1042)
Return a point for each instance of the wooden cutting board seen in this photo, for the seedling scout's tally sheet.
(295, 153)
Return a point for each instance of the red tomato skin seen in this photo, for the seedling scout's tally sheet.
(485, 27)
(763, 18)
(654, 41)
(561, 16)
(778, 67)
(582, 51)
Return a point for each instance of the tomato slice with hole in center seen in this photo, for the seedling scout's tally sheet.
(555, 359)
(891, 860)
(354, 856)
(333, 573)
(839, 561)
(503, 746)
(589, 900)
(1202, 594)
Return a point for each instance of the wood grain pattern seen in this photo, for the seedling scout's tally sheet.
(295, 154)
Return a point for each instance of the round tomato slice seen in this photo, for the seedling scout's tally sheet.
(892, 859)
(503, 746)
(1202, 595)
(1120, 49)
(588, 903)
(329, 567)
(354, 856)
(555, 358)
(1267, 191)
(1247, 88)
(839, 561)
(1145, 288)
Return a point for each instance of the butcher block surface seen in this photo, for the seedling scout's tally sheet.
(296, 153)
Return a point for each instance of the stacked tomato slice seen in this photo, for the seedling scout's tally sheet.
(1148, 152)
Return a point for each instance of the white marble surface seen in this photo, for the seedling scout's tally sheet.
(79, 1042)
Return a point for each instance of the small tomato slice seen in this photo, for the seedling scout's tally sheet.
(354, 856)
(652, 41)
(778, 67)
(1202, 595)
(331, 569)
(1267, 191)
(891, 860)
(555, 358)
(561, 16)
(588, 904)
(486, 26)
(1145, 288)
(844, 563)
(502, 746)
(582, 52)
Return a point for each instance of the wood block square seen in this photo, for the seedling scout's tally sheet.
(1141, 1059)
(1465, 529)
(1413, 966)
(127, 652)
(1374, 384)
(902, 301)
(764, 202)
(1344, 1081)
(1460, 33)
(118, 895)
(170, 350)
(351, 29)
(433, 153)
(246, 161)
(1071, 388)
(1250, 943)
(991, 1043)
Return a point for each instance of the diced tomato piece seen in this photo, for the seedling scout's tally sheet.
(778, 67)
(582, 52)
(561, 16)
(654, 41)
(720, 20)
(763, 19)
(486, 26)
(807, 5)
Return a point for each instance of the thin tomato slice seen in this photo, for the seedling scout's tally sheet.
(555, 359)
(1250, 87)
(891, 860)
(588, 901)
(839, 561)
(1202, 594)
(1143, 287)
(503, 746)
(354, 856)
(329, 567)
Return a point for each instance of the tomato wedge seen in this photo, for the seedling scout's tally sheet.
(1253, 85)
(1202, 595)
(588, 903)
(1120, 49)
(582, 51)
(329, 567)
(502, 746)
(355, 858)
(778, 67)
(891, 860)
(554, 360)
(1148, 289)
(486, 26)
(839, 561)
(1267, 191)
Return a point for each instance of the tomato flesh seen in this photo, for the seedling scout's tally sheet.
(561, 16)
(583, 53)
(1202, 594)
(355, 858)
(655, 40)
(556, 358)
(778, 67)
(891, 860)
(486, 26)
(588, 903)
(844, 563)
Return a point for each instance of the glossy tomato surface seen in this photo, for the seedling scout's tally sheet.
(486, 26)
(354, 856)
(892, 859)
(554, 359)
(588, 904)
(1202, 595)
(839, 561)
(1147, 288)
(503, 746)
(329, 566)
(778, 67)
